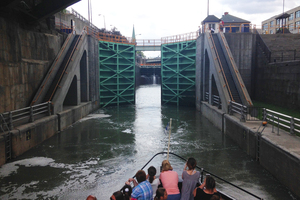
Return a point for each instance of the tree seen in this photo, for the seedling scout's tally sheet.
(140, 53)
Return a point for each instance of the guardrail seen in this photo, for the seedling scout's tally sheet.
(239, 109)
(22, 116)
(278, 120)
(217, 101)
(282, 121)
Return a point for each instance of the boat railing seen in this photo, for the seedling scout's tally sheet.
(202, 171)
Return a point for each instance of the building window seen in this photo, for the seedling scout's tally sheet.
(211, 26)
(298, 14)
(272, 24)
(271, 31)
(278, 22)
(265, 26)
(297, 24)
(291, 27)
(291, 17)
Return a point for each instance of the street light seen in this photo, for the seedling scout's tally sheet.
(103, 19)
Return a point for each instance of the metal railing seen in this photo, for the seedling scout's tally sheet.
(282, 121)
(180, 38)
(235, 70)
(272, 29)
(109, 37)
(79, 16)
(148, 42)
(278, 120)
(217, 101)
(206, 96)
(220, 65)
(234, 28)
(9, 120)
(240, 109)
(286, 55)
(52, 69)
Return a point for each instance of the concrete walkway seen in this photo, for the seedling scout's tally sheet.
(280, 138)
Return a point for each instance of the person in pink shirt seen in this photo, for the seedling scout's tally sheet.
(169, 180)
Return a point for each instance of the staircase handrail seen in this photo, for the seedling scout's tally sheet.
(220, 64)
(80, 38)
(240, 81)
(55, 65)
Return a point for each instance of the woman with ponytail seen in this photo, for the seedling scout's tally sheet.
(161, 194)
(152, 179)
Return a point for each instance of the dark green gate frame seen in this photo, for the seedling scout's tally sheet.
(117, 73)
(178, 69)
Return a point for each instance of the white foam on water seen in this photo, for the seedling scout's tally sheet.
(127, 131)
(9, 168)
(94, 116)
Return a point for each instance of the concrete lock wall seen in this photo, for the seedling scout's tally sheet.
(242, 46)
(29, 135)
(25, 57)
(282, 164)
(282, 80)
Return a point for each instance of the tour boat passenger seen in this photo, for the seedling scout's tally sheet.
(206, 190)
(161, 194)
(142, 188)
(169, 180)
(190, 179)
(152, 179)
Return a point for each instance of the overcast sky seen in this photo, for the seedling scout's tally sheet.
(160, 18)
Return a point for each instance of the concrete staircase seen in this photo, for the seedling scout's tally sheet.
(283, 47)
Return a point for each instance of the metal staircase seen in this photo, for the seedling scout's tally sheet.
(227, 73)
(62, 69)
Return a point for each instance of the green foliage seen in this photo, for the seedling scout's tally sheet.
(141, 54)
(286, 111)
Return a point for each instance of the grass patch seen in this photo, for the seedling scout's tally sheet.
(279, 109)
(286, 111)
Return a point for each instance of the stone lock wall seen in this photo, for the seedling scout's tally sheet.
(25, 57)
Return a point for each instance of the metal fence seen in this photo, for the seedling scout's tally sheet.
(9, 120)
(276, 119)
(281, 121)
(217, 101)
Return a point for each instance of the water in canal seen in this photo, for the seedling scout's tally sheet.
(99, 153)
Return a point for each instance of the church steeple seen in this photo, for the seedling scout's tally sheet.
(133, 35)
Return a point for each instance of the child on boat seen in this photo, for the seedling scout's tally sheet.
(152, 179)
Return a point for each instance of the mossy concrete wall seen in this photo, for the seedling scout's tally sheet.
(25, 57)
(274, 80)
(28, 136)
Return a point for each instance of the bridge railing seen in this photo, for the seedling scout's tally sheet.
(101, 36)
(148, 42)
(180, 38)
(22, 116)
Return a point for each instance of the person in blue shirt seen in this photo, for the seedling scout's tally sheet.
(142, 188)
